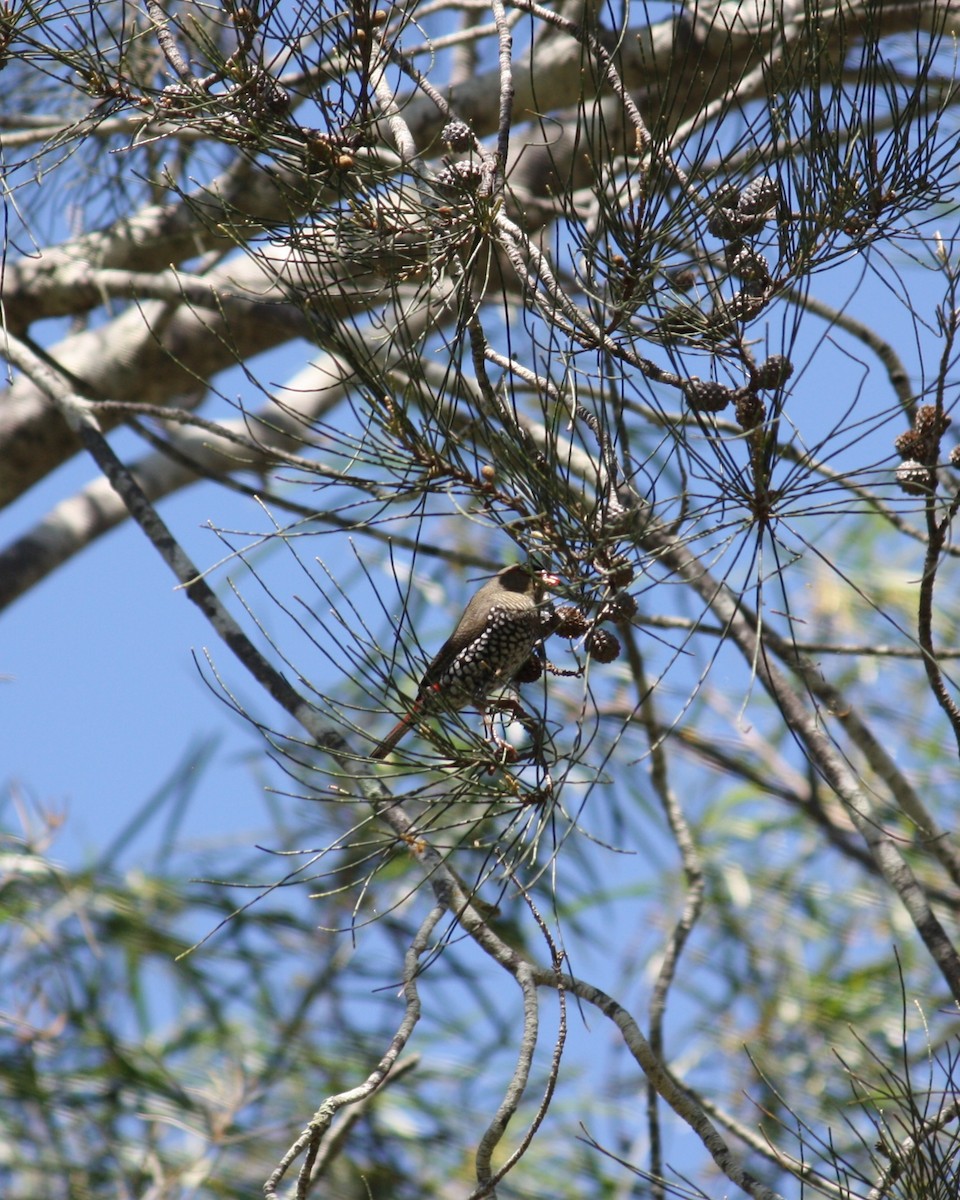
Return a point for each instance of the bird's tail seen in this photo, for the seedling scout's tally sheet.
(394, 736)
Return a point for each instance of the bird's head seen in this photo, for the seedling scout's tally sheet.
(522, 579)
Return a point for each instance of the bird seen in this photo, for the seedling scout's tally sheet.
(493, 639)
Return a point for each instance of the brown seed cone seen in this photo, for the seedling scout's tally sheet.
(773, 372)
(760, 197)
(602, 646)
(707, 395)
(622, 607)
(749, 409)
(620, 573)
(914, 478)
(908, 444)
(530, 671)
(571, 622)
(491, 643)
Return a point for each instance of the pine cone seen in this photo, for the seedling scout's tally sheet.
(459, 178)
(923, 441)
(931, 425)
(743, 261)
(530, 671)
(773, 372)
(457, 135)
(571, 622)
(744, 305)
(749, 409)
(601, 645)
(731, 225)
(760, 196)
(706, 395)
(619, 573)
(914, 478)
(726, 196)
(622, 607)
(908, 444)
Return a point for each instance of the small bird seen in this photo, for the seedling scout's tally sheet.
(493, 639)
